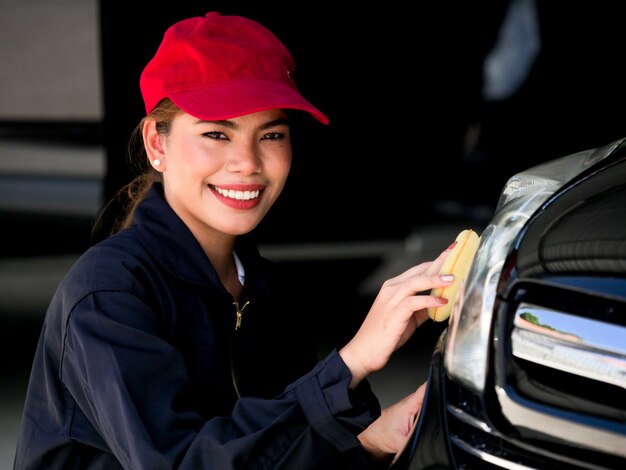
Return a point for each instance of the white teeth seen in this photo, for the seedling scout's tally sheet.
(239, 195)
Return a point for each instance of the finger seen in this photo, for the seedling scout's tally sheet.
(412, 271)
(420, 317)
(418, 303)
(435, 266)
(421, 392)
(423, 283)
(418, 401)
(427, 267)
(417, 288)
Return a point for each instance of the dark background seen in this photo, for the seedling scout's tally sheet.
(401, 86)
(411, 140)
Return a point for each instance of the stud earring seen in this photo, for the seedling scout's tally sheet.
(156, 162)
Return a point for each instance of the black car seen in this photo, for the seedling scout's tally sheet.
(530, 371)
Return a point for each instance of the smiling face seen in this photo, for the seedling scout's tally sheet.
(222, 177)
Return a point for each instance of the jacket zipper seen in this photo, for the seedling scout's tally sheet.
(238, 318)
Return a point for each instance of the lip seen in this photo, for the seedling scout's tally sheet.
(238, 203)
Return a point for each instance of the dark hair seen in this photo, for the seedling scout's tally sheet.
(129, 196)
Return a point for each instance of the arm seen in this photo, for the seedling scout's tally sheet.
(399, 308)
(131, 385)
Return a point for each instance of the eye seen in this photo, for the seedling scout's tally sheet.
(273, 136)
(215, 135)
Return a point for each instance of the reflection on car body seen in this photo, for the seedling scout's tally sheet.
(530, 372)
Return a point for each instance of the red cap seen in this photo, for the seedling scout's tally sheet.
(218, 67)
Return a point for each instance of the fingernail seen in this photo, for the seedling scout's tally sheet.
(442, 300)
(452, 245)
(447, 277)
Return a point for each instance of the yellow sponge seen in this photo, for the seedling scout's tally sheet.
(458, 262)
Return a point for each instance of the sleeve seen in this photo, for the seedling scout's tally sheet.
(129, 382)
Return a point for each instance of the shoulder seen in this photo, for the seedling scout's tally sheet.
(109, 259)
(115, 264)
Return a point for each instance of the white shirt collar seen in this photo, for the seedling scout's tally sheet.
(241, 273)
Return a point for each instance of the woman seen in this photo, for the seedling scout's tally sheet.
(167, 344)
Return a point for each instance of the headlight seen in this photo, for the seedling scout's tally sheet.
(467, 339)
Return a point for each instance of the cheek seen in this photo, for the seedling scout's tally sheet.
(277, 169)
(193, 160)
(285, 173)
(281, 174)
(283, 165)
(286, 168)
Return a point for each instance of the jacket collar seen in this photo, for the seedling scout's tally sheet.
(167, 238)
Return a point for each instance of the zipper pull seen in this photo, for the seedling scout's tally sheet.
(239, 313)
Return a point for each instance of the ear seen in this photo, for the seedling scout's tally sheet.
(153, 145)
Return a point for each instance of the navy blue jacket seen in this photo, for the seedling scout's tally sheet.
(138, 356)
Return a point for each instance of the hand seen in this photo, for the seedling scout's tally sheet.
(391, 431)
(399, 308)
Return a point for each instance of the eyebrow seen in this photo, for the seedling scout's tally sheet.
(231, 125)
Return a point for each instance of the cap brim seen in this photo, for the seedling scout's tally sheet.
(242, 97)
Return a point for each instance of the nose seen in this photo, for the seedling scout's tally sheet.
(244, 158)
